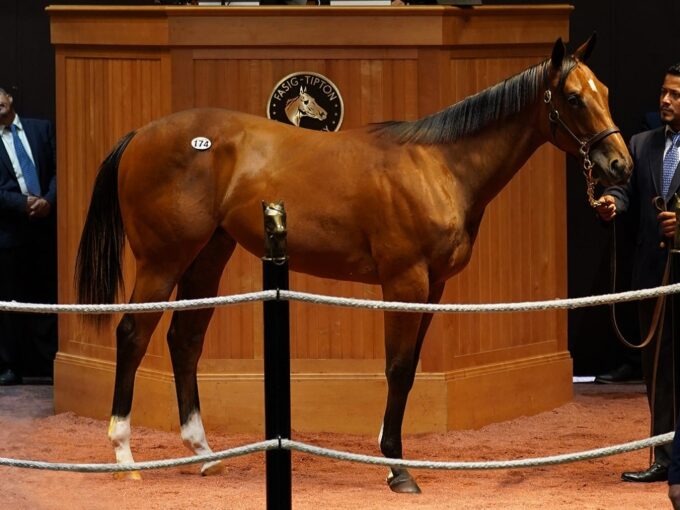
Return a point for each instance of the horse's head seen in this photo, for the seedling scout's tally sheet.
(304, 105)
(578, 117)
(309, 107)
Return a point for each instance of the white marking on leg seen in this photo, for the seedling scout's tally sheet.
(193, 437)
(119, 435)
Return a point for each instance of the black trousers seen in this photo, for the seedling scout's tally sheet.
(663, 391)
(674, 467)
(28, 273)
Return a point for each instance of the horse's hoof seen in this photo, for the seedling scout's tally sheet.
(212, 468)
(403, 483)
(127, 475)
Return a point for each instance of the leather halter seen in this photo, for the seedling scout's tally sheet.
(585, 144)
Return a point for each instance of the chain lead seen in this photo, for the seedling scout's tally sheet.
(590, 183)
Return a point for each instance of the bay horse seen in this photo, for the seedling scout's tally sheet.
(183, 212)
(304, 105)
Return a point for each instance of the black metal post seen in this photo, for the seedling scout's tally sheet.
(276, 358)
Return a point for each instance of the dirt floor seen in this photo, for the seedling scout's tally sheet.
(598, 416)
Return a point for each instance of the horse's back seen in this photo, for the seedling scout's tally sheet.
(207, 122)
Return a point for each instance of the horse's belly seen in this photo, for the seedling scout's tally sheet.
(337, 256)
(336, 266)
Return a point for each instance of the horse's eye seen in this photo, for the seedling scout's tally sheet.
(574, 101)
(306, 101)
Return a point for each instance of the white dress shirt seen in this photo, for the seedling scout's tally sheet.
(8, 141)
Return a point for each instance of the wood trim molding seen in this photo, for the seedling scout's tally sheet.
(341, 402)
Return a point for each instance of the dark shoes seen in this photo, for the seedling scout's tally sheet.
(655, 473)
(8, 377)
(625, 374)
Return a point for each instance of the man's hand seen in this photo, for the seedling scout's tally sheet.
(666, 221)
(37, 207)
(607, 210)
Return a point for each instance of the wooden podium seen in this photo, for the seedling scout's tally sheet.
(119, 68)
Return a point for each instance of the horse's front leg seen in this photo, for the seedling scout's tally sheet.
(403, 337)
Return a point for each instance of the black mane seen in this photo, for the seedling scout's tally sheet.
(473, 113)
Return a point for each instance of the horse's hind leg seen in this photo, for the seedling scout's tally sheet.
(185, 340)
(404, 334)
(132, 338)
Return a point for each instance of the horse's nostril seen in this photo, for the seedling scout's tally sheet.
(618, 168)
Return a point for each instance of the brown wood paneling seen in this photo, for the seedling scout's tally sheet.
(105, 97)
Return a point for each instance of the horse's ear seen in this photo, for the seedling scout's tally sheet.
(584, 51)
(557, 54)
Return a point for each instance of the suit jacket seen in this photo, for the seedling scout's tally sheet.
(651, 248)
(15, 226)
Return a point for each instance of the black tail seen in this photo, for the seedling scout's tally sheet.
(98, 263)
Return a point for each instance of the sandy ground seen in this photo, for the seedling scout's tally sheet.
(598, 416)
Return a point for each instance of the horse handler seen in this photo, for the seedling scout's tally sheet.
(652, 194)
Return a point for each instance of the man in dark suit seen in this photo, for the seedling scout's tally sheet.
(629, 371)
(28, 191)
(655, 154)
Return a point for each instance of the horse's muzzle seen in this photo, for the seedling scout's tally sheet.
(619, 172)
(614, 170)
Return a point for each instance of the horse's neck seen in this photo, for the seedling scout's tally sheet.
(486, 162)
(293, 112)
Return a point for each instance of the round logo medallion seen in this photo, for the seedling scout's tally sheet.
(308, 100)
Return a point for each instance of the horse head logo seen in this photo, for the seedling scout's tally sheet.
(306, 94)
(304, 105)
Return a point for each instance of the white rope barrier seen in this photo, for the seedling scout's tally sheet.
(483, 465)
(182, 304)
(394, 306)
(193, 304)
(271, 444)
(287, 444)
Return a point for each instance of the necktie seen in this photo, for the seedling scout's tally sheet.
(27, 167)
(670, 163)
